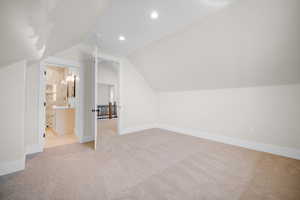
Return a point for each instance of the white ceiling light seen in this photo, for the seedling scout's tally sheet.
(122, 38)
(154, 15)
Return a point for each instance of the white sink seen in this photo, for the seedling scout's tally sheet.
(60, 107)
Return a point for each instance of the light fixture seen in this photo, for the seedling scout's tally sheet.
(70, 78)
(122, 38)
(154, 15)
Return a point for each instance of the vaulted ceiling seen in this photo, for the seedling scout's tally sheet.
(249, 43)
(33, 28)
(131, 19)
(194, 44)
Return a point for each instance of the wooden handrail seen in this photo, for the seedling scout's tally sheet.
(107, 111)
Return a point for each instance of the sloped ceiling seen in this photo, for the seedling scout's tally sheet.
(249, 43)
(31, 29)
(131, 18)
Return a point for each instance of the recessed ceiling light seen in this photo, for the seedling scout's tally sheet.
(122, 38)
(154, 15)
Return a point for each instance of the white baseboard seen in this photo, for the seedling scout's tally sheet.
(85, 139)
(137, 128)
(12, 166)
(35, 148)
(268, 148)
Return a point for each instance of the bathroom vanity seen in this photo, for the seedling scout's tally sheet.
(64, 120)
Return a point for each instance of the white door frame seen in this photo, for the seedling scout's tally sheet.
(78, 111)
(118, 61)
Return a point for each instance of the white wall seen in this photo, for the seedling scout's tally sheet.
(103, 94)
(265, 115)
(139, 101)
(250, 43)
(108, 73)
(31, 109)
(12, 106)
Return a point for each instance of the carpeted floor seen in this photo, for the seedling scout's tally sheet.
(107, 129)
(153, 165)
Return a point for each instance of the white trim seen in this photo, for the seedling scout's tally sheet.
(268, 148)
(41, 109)
(85, 139)
(137, 128)
(94, 100)
(109, 57)
(59, 61)
(34, 148)
(12, 166)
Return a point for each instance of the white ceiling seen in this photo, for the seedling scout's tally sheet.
(131, 18)
(30, 29)
(195, 44)
(249, 43)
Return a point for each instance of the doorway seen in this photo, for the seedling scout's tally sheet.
(60, 105)
(108, 100)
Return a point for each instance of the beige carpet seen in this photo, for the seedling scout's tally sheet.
(154, 165)
(107, 129)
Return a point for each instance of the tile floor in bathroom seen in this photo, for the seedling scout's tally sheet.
(53, 139)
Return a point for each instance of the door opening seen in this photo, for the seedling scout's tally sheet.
(108, 100)
(60, 105)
